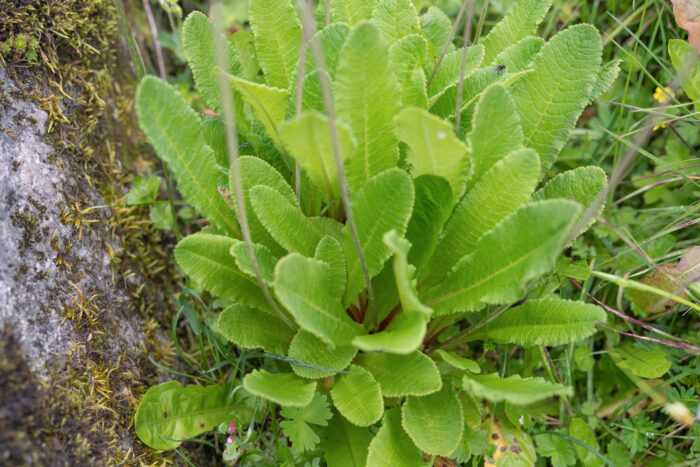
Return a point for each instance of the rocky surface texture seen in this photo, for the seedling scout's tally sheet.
(82, 286)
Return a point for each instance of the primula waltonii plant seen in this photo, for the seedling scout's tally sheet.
(365, 301)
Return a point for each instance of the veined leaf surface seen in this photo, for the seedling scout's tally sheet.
(310, 349)
(285, 389)
(395, 19)
(357, 397)
(392, 446)
(351, 11)
(174, 130)
(250, 329)
(414, 374)
(514, 389)
(345, 444)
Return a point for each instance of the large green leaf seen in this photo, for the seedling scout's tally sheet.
(517, 250)
(514, 389)
(434, 422)
(395, 19)
(403, 273)
(545, 321)
(173, 129)
(300, 285)
(384, 203)
(256, 172)
(269, 104)
(198, 45)
(205, 259)
(357, 397)
(277, 39)
(351, 11)
(494, 133)
(310, 349)
(403, 336)
(330, 252)
(285, 389)
(407, 56)
(367, 98)
(434, 149)
(436, 27)
(470, 220)
(551, 97)
(521, 21)
(170, 413)
(414, 374)
(518, 56)
(249, 328)
(344, 444)
(284, 220)
(431, 210)
(308, 140)
(392, 446)
(442, 91)
(582, 185)
(641, 362)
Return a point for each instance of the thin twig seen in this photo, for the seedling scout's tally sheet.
(320, 60)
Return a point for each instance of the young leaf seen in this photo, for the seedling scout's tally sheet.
(434, 149)
(407, 56)
(344, 444)
(367, 98)
(308, 140)
(384, 203)
(521, 21)
(582, 185)
(310, 349)
(551, 97)
(244, 43)
(277, 34)
(269, 104)
(431, 210)
(297, 428)
(205, 259)
(517, 250)
(403, 272)
(170, 413)
(300, 285)
(434, 422)
(357, 397)
(436, 27)
(514, 389)
(173, 129)
(460, 363)
(414, 374)
(392, 446)
(284, 220)
(285, 389)
(198, 45)
(330, 252)
(470, 221)
(250, 329)
(351, 11)
(495, 130)
(395, 19)
(546, 321)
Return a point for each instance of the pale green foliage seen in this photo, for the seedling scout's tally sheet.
(641, 362)
(392, 446)
(297, 427)
(402, 375)
(580, 430)
(358, 397)
(546, 321)
(249, 329)
(180, 143)
(434, 422)
(433, 147)
(285, 389)
(521, 21)
(513, 389)
(445, 218)
(277, 32)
